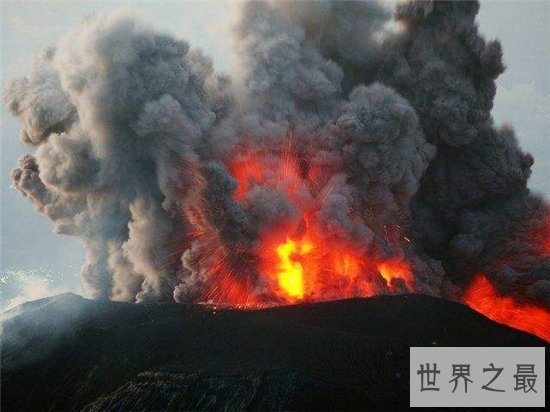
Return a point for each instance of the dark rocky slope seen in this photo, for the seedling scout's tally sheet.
(67, 352)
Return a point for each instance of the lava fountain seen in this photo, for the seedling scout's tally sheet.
(295, 258)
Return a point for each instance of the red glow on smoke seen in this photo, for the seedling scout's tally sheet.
(483, 297)
(246, 169)
(541, 236)
(396, 269)
(296, 260)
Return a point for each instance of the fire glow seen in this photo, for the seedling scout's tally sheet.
(305, 269)
(297, 261)
(290, 274)
(295, 258)
(483, 297)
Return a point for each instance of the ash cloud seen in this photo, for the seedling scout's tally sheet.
(135, 135)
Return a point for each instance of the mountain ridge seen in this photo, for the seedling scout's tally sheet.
(352, 354)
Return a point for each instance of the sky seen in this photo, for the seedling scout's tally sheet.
(35, 262)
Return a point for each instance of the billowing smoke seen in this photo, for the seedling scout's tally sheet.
(368, 133)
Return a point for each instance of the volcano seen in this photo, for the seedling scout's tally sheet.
(314, 214)
(354, 155)
(69, 353)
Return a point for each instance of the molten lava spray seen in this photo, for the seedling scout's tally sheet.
(290, 272)
(483, 297)
(299, 259)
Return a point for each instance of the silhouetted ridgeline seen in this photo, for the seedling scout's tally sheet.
(67, 352)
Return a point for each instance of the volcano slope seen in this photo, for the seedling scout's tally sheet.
(67, 352)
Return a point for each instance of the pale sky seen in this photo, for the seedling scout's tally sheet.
(36, 262)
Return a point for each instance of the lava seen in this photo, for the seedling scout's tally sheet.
(290, 271)
(297, 261)
(396, 269)
(483, 297)
(309, 269)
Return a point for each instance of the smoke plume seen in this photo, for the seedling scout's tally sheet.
(366, 133)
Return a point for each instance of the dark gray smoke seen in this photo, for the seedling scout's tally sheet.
(136, 137)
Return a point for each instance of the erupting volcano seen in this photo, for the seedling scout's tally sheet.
(355, 156)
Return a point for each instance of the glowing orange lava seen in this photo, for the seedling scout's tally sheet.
(396, 269)
(297, 261)
(306, 268)
(290, 274)
(483, 297)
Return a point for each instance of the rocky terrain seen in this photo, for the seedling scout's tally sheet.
(69, 353)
